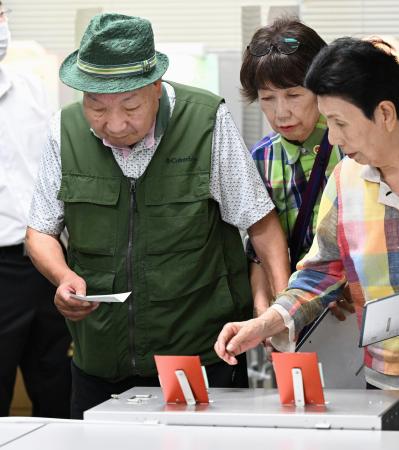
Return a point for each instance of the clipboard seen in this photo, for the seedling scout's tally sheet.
(171, 367)
(380, 320)
(310, 331)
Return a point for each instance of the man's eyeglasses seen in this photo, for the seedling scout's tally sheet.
(4, 13)
(286, 46)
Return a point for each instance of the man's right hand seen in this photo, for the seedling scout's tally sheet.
(70, 308)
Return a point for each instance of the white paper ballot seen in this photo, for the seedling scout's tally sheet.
(380, 320)
(110, 298)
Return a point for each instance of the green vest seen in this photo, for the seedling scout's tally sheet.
(160, 236)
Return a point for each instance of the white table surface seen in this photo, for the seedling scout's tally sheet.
(10, 431)
(84, 435)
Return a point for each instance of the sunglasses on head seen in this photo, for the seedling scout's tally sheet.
(285, 46)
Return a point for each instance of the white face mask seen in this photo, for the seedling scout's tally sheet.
(4, 39)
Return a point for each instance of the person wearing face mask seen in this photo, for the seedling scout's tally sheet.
(272, 73)
(32, 334)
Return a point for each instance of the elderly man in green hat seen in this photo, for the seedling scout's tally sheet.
(152, 181)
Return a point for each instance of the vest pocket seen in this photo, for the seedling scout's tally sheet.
(98, 281)
(184, 229)
(177, 214)
(90, 212)
(176, 277)
(190, 324)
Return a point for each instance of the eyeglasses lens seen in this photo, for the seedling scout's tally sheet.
(286, 46)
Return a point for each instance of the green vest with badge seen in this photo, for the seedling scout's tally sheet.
(160, 236)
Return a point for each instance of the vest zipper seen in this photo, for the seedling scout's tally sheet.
(131, 318)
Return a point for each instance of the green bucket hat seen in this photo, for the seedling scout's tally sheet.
(116, 54)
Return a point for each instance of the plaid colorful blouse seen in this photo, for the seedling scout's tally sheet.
(357, 240)
(285, 169)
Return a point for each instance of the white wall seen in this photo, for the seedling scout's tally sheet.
(335, 18)
(216, 23)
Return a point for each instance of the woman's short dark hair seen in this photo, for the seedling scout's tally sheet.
(275, 68)
(360, 72)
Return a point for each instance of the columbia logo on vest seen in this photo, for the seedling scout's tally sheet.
(183, 159)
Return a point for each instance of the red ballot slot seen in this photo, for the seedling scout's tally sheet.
(191, 366)
(283, 363)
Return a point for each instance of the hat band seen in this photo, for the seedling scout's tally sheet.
(126, 69)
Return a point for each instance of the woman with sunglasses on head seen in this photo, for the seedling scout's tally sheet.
(273, 72)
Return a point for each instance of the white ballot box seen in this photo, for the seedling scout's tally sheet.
(344, 409)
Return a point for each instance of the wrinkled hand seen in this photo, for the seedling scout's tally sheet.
(269, 349)
(70, 308)
(238, 337)
(339, 307)
(267, 344)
